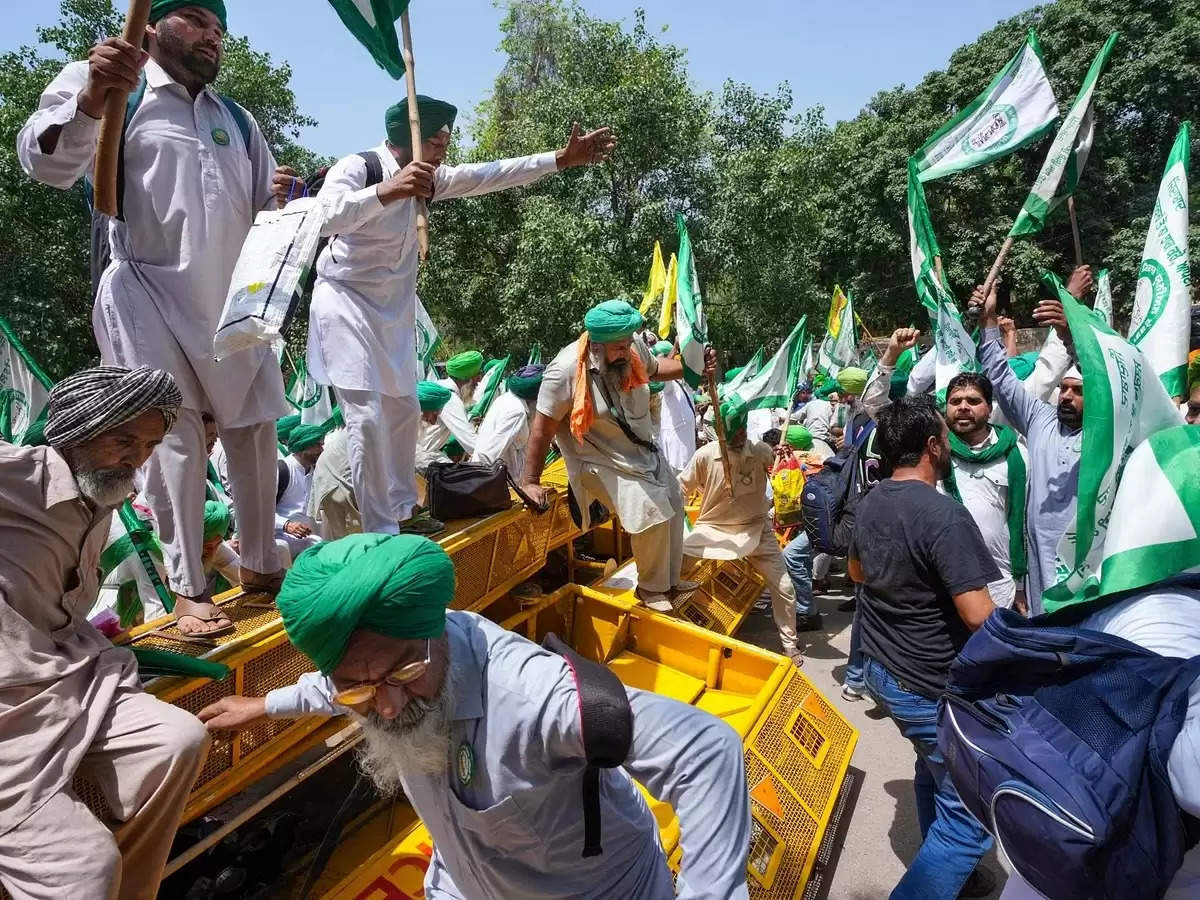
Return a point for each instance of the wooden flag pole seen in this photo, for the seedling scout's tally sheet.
(719, 423)
(997, 266)
(1075, 231)
(414, 125)
(104, 178)
(941, 275)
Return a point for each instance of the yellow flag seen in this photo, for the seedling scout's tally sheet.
(656, 282)
(669, 295)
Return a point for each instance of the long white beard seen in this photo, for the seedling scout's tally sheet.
(105, 487)
(416, 742)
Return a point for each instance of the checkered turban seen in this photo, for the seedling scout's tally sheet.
(91, 402)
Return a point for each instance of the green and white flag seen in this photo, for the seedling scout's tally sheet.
(429, 342)
(691, 327)
(807, 363)
(923, 245)
(1016, 109)
(775, 385)
(489, 387)
(535, 355)
(373, 23)
(24, 390)
(839, 348)
(1103, 304)
(1068, 154)
(954, 347)
(309, 398)
(749, 370)
(1161, 319)
(1139, 549)
(1125, 405)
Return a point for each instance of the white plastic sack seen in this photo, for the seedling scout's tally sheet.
(265, 288)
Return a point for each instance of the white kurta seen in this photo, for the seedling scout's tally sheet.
(455, 417)
(678, 431)
(362, 322)
(504, 433)
(191, 192)
(292, 505)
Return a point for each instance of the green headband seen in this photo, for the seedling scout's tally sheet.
(395, 585)
(159, 8)
(435, 114)
(612, 320)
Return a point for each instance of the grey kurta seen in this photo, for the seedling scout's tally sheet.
(1054, 451)
(637, 478)
(515, 829)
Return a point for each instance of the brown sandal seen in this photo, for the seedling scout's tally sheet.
(256, 583)
(215, 616)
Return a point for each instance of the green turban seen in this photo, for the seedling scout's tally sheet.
(304, 436)
(452, 448)
(798, 437)
(663, 348)
(527, 381)
(1022, 365)
(853, 380)
(159, 8)
(395, 585)
(285, 426)
(828, 386)
(735, 417)
(657, 386)
(465, 365)
(432, 396)
(435, 114)
(734, 373)
(216, 519)
(612, 320)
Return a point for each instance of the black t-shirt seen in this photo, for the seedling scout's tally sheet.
(917, 549)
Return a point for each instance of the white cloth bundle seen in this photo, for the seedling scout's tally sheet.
(265, 288)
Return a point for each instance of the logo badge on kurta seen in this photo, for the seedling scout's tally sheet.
(464, 763)
(221, 136)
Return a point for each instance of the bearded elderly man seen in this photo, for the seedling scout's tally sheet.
(70, 702)
(481, 729)
(195, 170)
(362, 324)
(595, 401)
(504, 433)
(463, 373)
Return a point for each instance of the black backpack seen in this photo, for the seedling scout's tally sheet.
(312, 186)
(831, 497)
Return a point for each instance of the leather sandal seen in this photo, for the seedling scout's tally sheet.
(192, 607)
(258, 584)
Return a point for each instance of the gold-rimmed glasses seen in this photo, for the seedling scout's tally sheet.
(364, 691)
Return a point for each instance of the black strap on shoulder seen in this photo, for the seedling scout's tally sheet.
(606, 722)
(283, 479)
(619, 415)
(374, 167)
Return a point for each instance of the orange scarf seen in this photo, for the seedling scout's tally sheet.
(583, 410)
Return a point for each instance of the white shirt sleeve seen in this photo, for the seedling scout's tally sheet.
(473, 179)
(1048, 369)
(75, 148)
(454, 415)
(921, 378)
(877, 394)
(501, 426)
(312, 695)
(348, 204)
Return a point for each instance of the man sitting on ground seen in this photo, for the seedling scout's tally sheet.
(292, 524)
(481, 729)
(595, 399)
(924, 571)
(433, 434)
(72, 703)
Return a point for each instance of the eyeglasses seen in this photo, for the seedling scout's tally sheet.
(361, 693)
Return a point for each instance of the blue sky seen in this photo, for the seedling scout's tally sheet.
(837, 53)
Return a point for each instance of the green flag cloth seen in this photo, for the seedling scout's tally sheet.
(1067, 156)
(1023, 365)
(465, 365)
(1125, 405)
(489, 387)
(1016, 109)
(1103, 303)
(691, 326)
(612, 320)
(1004, 447)
(1161, 319)
(395, 585)
(373, 24)
(24, 391)
(159, 8)
(535, 355)
(807, 360)
(743, 373)
(429, 342)
(432, 396)
(656, 387)
(923, 246)
(954, 348)
(731, 374)
(165, 663)
(839, 349)
(775, 385)
(434, 115)
(303, 391)
(304, 436)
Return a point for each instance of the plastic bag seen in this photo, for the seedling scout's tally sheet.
(266, 284)
(788, 487)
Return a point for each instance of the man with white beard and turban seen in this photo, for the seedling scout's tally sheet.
(70, 701)
(481, 729)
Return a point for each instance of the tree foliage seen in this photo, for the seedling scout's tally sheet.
(45, 287)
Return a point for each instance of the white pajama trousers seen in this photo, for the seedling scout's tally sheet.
(174, 489)
(381, 433)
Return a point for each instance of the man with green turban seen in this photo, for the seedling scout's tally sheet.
(433, 433)
(483, 731)
(595, 402)
(194, 171)
(293, 526)
(464, 371)
(362, 321)
(504, 432)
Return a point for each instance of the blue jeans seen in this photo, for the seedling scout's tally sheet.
(854, 667)
(954, 841)
(797, 557)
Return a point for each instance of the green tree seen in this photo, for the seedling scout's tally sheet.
(45, 287)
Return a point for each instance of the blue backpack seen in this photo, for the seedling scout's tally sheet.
(1057, 739)
(830, 497)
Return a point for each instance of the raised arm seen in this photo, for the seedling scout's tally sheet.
(876, 395)
(57, 144)
(1018, 406)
